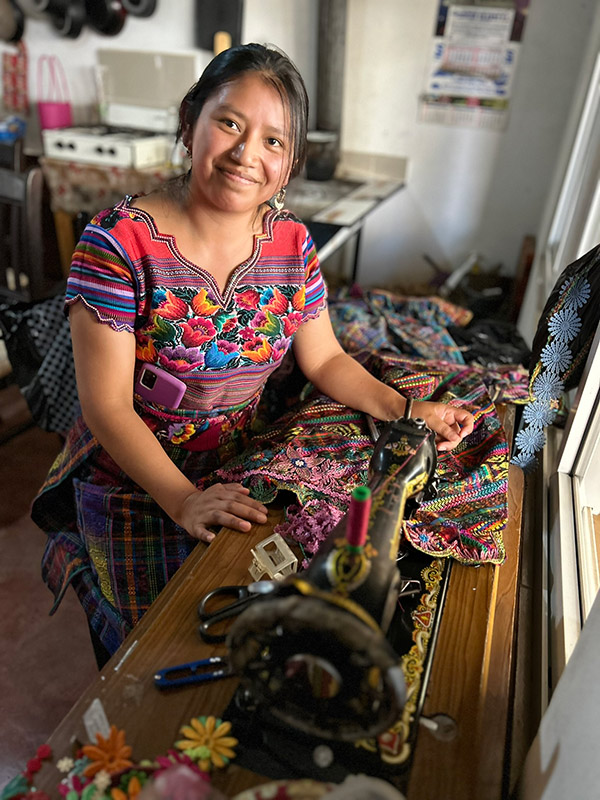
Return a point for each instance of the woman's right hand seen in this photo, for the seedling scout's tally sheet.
(222, 504)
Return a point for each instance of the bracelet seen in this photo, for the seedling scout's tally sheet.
(408, 408)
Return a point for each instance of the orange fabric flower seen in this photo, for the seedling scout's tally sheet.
(134, 787)
(111, 755)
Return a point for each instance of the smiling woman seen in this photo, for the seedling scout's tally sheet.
(210, 282)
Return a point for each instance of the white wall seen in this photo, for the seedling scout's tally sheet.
(467, 189)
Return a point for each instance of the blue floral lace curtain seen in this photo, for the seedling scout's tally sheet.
(560, 348)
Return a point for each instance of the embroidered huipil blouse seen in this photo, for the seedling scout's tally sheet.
(223, 345)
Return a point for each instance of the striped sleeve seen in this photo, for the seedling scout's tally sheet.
(103, 278)
(316, 291)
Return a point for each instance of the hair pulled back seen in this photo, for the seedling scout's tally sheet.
(276, 68)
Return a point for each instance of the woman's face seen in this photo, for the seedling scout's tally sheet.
(240, 150)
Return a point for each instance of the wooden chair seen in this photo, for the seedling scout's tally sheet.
(29, 266)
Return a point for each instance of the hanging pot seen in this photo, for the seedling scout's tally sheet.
(49, 6)
(139, 8)
(105, 16)
(69, 21)
(12, 21)
(30, 9)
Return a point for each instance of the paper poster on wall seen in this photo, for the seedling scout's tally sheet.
(473, 63)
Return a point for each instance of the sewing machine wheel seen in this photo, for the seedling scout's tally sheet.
(317, 667)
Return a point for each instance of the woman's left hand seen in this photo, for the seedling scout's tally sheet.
(450, 423)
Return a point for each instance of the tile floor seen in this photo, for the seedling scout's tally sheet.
(45, 662)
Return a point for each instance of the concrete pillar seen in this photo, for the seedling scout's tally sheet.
(330, 75)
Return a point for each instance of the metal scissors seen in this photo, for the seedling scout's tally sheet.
(192, 672)
(241, 597)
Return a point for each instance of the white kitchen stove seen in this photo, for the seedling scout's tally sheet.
(109, 145)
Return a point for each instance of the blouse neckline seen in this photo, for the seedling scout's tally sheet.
(170, 241)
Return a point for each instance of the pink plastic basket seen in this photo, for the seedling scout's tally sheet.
(54, 104)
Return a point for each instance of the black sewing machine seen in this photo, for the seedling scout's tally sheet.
(314, 654)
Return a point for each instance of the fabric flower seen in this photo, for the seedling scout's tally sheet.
(181, 432)
(180, 358)
(530, 439)
(280, 348)
(259, 351)
(197, 331)
(538, 414)
(304, 465)
(101, 780)
(526, 461)
(291, 323)
(547, 386)
(260, 318)
(248, 300)
(174, 758)
(277, 302)
(111, 754)
(299, 299)
(564, 325)
(579, 293)
(219, 354)
(65, 764)
(145, 349)
(131, 790)
(172, 307)
(202, 304)
(230, 324)
(207, 742)
(556, 356)
(270, 324)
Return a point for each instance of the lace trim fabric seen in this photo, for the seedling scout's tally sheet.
(557, 362)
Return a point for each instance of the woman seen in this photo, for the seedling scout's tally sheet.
(209, 281)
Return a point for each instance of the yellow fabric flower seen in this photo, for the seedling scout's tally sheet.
(207, 742)
(111, 755)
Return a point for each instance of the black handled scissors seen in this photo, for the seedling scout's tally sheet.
(192, 672)
(242, 596)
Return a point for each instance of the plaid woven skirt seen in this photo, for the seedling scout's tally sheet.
(107, 537)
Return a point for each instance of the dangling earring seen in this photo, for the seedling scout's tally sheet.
(278, 200)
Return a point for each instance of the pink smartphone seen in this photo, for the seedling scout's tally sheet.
(160, 387)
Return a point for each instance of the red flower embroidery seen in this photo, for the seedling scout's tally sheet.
(291, 323)
(278, 303)
(172, 307)
(248, 299)
(197, 332)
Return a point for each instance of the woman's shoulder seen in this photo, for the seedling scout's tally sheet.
(284, 225)
(109, 218)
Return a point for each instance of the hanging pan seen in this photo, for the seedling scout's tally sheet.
(139, 8)
(66, 16)
(105, 16)
(12, 21)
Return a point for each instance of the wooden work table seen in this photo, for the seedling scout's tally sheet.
(471, 678)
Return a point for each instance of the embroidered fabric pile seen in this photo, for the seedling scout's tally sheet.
(319, 451)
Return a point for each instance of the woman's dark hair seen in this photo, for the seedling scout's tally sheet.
(276, 68)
